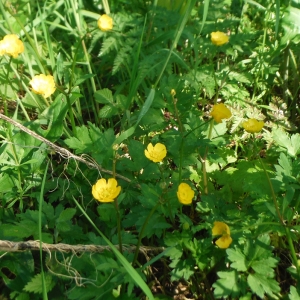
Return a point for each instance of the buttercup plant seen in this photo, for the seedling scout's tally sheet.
(106, 191)
(185, 194)
(123, 74)
(220, 112)
(222, 229)
(43, 85)
(105, 23)
(219, 38)
(11, 45)
(156, 153)
(253, 125)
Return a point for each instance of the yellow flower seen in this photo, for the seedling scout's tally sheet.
(43, 85)
(11, 45)
(105, 23)
(219, 38)
(222, 229)
(252, 125)
(173, 92)
(220, 112)
(156, 153)
(106, 191)
(185, 194)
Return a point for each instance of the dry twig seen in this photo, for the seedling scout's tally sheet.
(9, 246)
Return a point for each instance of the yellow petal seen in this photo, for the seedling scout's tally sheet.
(105, 23)
(220, 112)
(253, 125)
(185, 194)
(220, 228)
(219, 38)
(224, 241)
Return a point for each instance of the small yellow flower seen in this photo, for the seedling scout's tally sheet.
(106, 191)
(220, 112)
(11, 45)
(105, 23)
(173, 92)
(156, 153)
(253, 125)
(220, 228)
(219, 38)
(43, 85)
(185, 194)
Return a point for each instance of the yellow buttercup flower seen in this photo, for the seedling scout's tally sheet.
(185, 194)
(173, 92)
(106, 191)
(222, 229)
(105, 23)
(11, 45)
(220, 112)
(156, 153)
(43, 85)
(253, 125)
(219, 38)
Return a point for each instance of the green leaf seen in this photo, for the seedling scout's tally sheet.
(66, 215)
(265, 266)
(238, 259)
(182, 268)
(104, 96)
(291, 144)
(107, 111)
(261, 285)
(55, 115)
(229, 284)
(291, 24)
(81, 143)
(294, 295)
(35, 285)
(16, 269)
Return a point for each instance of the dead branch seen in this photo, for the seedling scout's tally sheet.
(8, 246)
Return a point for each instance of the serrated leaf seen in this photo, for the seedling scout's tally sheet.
(107, 111)
(291, 144)
(229, 284)
(294, 295)
(82, 142)
(107, 45)
(35, 285)
(265, 266)
(104, 96)
(66, 215)
(261, 285)
(183, 268)
(238, 259)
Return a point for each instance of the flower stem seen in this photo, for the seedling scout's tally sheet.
(142, 232)
(117, 206)
(71, 115)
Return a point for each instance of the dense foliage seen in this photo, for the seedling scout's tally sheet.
(166, 130)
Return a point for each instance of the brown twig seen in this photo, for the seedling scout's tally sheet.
(62, 151)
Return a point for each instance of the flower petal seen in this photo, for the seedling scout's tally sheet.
(224, 241)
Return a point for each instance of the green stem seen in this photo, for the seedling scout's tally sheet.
(71, 115)
(288, 234)
(118, 225)
(117, 206)
(142, 232)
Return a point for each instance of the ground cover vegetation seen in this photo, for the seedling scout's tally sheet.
(149, 149)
